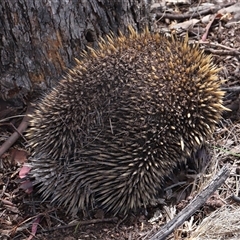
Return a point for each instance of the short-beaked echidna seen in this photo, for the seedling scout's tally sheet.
(121, 120)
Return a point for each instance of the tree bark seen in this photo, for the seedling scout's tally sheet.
(40, 39)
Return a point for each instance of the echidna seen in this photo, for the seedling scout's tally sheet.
(121, 120)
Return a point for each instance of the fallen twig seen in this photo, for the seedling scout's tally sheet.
(223, 52)
(79, 223)
(194, 205)
(207, 28)
(184, 16)
(231, 89)
(235, 198)
(13, 138)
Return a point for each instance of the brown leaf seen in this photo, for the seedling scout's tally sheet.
(18, 156)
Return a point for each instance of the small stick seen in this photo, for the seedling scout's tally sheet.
(222, 52)
(194, 205)
(78, 223)
(191, 15)
(204, 37)
(185, 15)
(231, 89)
(14, 137)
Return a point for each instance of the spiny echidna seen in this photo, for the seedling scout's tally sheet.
(121, 120)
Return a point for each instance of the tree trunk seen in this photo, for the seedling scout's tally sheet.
(40, 39)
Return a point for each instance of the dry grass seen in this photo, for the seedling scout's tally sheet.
(223, 223)
(220, 224)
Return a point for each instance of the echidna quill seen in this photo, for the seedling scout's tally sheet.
(121, 120)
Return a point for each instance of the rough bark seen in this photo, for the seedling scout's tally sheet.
(40, 39)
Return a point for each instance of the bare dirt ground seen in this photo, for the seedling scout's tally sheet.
(216, 26)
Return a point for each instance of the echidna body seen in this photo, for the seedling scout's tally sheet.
(121, 120)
